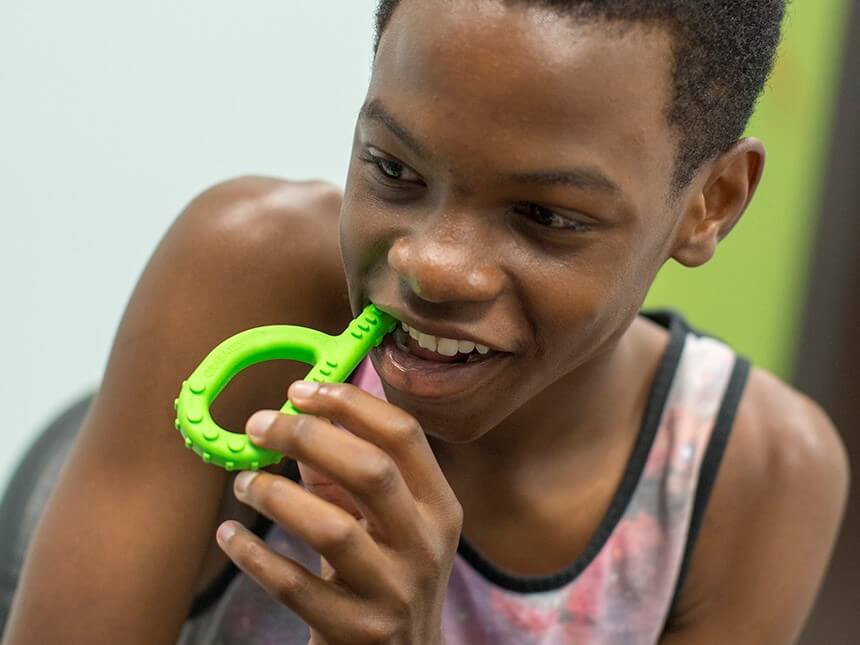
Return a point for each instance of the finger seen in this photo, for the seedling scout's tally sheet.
(365, 471)
(328, 529)
(323, 486)
(392, 429)
(322, 605)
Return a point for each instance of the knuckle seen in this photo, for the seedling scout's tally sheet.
(448, 516)
(251, 555)
(301, 431)
(288, 587)
(401, 605)
(454, 524)
(338, 534)
(456, 518)
(379, 474)
(339, 393)
(433, 557)
(406, 430)
(377, 630)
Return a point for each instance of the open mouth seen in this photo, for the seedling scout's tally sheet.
(402, 362)
(439, 351)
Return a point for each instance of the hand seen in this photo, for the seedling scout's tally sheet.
(386, 557)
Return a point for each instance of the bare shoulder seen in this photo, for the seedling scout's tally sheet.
(784, 446)
(271, 245)
(246, 252)
(796, 435)
(775, 510)
(781, 436)
(279, 225)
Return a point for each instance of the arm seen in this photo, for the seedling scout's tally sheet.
(768, 533)
(130, 528)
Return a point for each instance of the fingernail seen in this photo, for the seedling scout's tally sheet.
(303, 389)
(260, 422)
(226, 531)
(243, 480)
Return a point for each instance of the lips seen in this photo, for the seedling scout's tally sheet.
(434, 377)
(442, 329)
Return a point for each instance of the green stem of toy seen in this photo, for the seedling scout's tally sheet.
(333, 359)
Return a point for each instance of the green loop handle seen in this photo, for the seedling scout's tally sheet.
(333, 359)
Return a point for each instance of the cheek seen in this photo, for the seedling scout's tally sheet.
(573, 295)
(360, 236)
(584, 302)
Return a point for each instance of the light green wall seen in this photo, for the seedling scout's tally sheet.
(751, 293)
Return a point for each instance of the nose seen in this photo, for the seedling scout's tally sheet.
(447, 263)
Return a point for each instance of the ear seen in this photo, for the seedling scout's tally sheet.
(717, 203)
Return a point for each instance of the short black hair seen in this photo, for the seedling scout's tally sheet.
(723, 50)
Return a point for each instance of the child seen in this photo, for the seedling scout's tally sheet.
(529, 459)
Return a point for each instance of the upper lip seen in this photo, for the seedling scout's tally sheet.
(439, 329)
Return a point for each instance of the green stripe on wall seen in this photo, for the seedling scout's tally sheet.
(751, 293)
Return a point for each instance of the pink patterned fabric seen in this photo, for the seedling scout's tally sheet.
(624, 592)
(623, 596)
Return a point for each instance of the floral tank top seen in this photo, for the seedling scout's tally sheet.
(619, 590)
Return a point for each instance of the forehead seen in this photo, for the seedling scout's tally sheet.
(484, 81)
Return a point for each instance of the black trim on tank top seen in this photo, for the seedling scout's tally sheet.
(711, 463)
(210, 595)
(657, 397)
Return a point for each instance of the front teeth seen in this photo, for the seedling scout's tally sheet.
(447, 346)
(444, 346)
(427, 342)
(467, 346)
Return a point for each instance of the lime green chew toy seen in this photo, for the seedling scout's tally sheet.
(333, 359)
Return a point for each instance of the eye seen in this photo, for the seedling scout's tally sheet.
(550, 219)
(389, 171)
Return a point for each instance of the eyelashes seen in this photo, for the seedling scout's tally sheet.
(390, 174)
(383, 170)
(537, 212)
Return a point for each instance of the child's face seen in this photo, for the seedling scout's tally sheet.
(489, 92)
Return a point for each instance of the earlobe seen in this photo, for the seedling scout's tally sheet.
(731, 181)
(695, 243)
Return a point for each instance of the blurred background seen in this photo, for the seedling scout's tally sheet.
(114, 115)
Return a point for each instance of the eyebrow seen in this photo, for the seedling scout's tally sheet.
(375, 111)
(588, 178)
